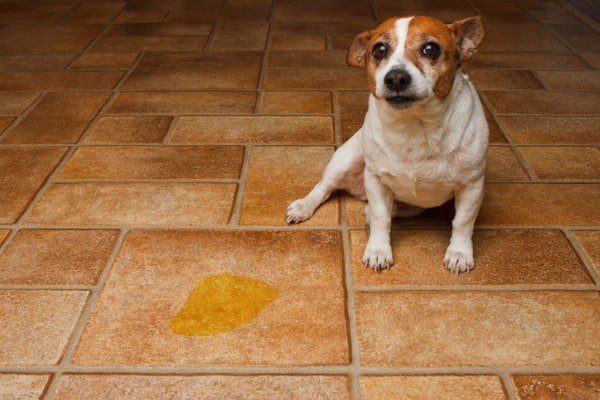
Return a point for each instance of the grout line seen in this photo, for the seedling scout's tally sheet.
(475, 287)
(374, 10)
(508, 386)
(89, 126)
(36, 101)
(143, 180)
(582, 255)
(541, 80)
(126, 75)
(167, 138)
(236, 212)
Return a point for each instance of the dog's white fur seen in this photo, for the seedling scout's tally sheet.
(406, 160)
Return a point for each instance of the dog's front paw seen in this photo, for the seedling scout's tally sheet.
(459, 260)
(298, 211)
(378, 257)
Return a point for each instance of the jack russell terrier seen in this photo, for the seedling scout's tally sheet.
(424, 138)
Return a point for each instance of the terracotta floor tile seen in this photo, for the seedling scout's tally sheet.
(503, 80)
(109, 44)
(557, 387)
(590, 241)
(36, 324)
(184, 103)
(5, 123)
(56, 81)
(508, 36)
(541, 102)
(592, 58)
(58, 118)
(331, 11)
(327, 28)
(299, 78)
(194, 71)
(137, 204)
(255, 129)
(503, 165)
(104, 61)
(140, 17)
(35, 62)
(355, 214)
(240, 36)
(503, 11)
(297, 42)
(295, 103)
(46, 39)
(139, 30)
(14, 103)
(3, 234)
(341, 42)
(564, 162)
(305, 325)
(23, 170)
(530, 61)
(125, 163)
(578, 36)
(502, 257)
(352, 109)
(140, 129)
(571, 80)
(25, 387)
(174, 5)
(139, 387)
(95, 12)
(307, 59)
(283, 174)
(436, 329)
(553, 130)
(45, 7)
(495, 132)
(45, 257)
(551, 13)
(248, 3)
(430, 387)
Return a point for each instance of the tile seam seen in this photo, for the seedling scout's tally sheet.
(580, 251)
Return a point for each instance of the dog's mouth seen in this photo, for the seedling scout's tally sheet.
(401, 101)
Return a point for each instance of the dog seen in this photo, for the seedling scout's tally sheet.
(424, 138)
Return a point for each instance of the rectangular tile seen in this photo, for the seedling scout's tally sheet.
(305, 325)
(541, 102)
(116, 44)
(55, 81)
(437, 216)
(564, 162)
(254, 129)
(330, 11)
(58, 118)
(5, 122)
(35, 62)
(104, 61)
(16, 386)
(319, 27)
(322, 78)
(557, 386)
(136, 204)
(508, 37)
(504, 80)
(295, 103)
(589, 241)
(240, 36)
(3, 234)
(571, 80)
(551, 13)
(14, 103)
(503, 11)
(123, 163)
(496, 134)
(502, 257)
(579, 36)
(528, 61)
(503, 165)
(552, 130)
(445, 329)
(61, 257)
(140, 17)
(307, 59)
(138, 129)
(23, 18)
(298, 42)
(46, 39)
(95, 12)
(23, 170)
(352, 109)
(164, 29)
(35, 325)
(592, 58)
(281, 175)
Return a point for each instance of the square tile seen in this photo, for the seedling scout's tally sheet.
(57, 81)
(564, 162)
(558, 386)
(46, 39)
(590, 241)
(125, 163)
(281, 175)
(447, 329)
(315, 79)
(552, 130)
(139, 129)
(571, 80)
(134, 204)
(504, 80)
(35, 325)
(503, 165)
(35, 62)
(305, 325)
(352, 110)
(542, 102)
(298, 42)
(104, 61)
(63, 257)
(14, 103)
(527, 61)
(295, 103)
(24, 387)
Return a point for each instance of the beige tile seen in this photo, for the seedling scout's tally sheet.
(58, 118)
(139, 129)
(352, 109)
(23, 387)
(553, 130)
(255, 129)
(104, 61)
(355, 214)
(312, 78)
(502, 257)
(137, 204)
(35, 325)
(307, 59)
(14, 103)
(56, 81)
(23, 170)
(117, 44)
(571, 80)
(196, 71)
(590, 241)
(281, 175)
(124, 163)
(557, 387)
(515, 37)
(295, 103)
(564, 162)
(547, 103)
(503, 165)
(298, 42)
(46, 39)
(37, 62)
(504, 79)
(430, 387)
(305, 325)
(540, 204)
(438, 329)
(47, 257)
(527, 60)
(140, 387)
(3, 234)
(141, 16)
(95, 12)
(183, 103)
(240, 35)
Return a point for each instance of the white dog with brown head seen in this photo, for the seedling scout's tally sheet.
(424, 138)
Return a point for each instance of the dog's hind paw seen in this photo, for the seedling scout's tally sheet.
(298, 212)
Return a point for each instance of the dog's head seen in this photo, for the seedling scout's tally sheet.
(412, 59)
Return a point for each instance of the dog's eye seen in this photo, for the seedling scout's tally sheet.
(431, 50)
(380, 50)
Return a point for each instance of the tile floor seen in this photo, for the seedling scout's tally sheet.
(146, 144)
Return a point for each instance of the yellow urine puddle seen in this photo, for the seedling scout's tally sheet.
(221, 303)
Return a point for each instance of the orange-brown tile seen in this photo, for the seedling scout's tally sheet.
(281, 175)
(116, 44)
(35, 325)
(46, 257)
(139, 387)
(557, 387)
(23, 170)
(257, 129)
(502, 257)
(184, 103)
(330, 11)
(555, 204)
(355, 214)
(553, 130)
(295, 103)
(95, 12)
(138, 129)
(503, 165)
(154, 162)
(430, 387)
(322, 28)
(196, 71)
(14, 103)
(43, 7)
(5, 123)
(541, 102)
(578, 36)
(503, 80)
(590, 241)
(593, 59)
(495, 132)
(516, 37)
(24, 387)
(571, 80)
(307, 59)
(58, 118)
(551, 13)
(503, 11)
(104, 61)
(297, 42)
(139, 30)
(341, 42)
(247, 3)
(305, 325)
(136, 204)
(3, 234)
(56, 81)
(176, 5)
(352, 109)
(240, 36)
(127, 17)
(22, 18)
(564, 162)
(46, 39)
(438, 329)
(311, 78)
(528, 61)
(35, 62)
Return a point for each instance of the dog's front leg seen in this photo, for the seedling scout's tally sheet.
(467, 201)
(378, 253)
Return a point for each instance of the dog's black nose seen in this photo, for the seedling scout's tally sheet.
(397, 80)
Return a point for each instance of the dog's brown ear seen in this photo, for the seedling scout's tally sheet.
(357, 54)
(468, 34)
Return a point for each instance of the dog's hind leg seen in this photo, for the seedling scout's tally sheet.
(345, 171)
